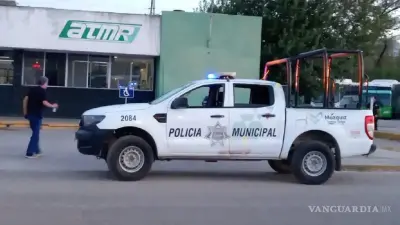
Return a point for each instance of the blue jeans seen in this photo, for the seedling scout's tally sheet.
(35, 123)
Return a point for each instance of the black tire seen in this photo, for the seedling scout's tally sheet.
(301, 151)
(114, 153)
(280, 166)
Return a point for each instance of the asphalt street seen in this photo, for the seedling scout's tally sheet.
(66, 188)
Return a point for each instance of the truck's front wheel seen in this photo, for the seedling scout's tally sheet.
(313, 162)
(280, 166)
(130, 158)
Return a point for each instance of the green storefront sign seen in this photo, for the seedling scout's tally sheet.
(100, 31)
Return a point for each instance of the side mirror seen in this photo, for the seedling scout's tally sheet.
(179, 103)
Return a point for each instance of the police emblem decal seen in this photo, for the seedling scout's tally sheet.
(217, 134)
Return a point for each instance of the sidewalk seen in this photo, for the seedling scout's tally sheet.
(379, 157)
(389, 134)
(381, 160)
(395, 130)
(18, 122)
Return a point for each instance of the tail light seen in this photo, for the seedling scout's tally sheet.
(369, 125)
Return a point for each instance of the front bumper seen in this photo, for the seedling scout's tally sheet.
(91, 140)
(372, 149)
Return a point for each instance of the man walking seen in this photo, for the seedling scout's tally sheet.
(375, 110)
(33, 105)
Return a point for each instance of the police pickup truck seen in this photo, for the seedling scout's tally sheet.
(225, 119)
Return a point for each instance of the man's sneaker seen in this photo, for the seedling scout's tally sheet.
(39, 154)
(30, 156)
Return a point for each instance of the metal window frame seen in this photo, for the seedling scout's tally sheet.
(23, 66)
(69, 72)
(151, 65)
(90, 68)
(13, 68)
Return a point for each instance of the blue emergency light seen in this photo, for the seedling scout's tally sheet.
(212, 76)
(223, 75)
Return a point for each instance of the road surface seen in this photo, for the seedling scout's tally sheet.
(65, 188)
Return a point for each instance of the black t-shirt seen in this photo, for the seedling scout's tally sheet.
(376, 106)
(36, 96)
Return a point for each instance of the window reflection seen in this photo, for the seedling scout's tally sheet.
(33, 67)
(55, 68)
(77, 70)
(98, 71)
(120, 71)
(128, 69)
(83, 70)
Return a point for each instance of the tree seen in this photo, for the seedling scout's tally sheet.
(294, 26)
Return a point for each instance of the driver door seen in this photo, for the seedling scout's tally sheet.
(201, 128)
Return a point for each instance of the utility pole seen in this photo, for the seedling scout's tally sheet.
(152, 7)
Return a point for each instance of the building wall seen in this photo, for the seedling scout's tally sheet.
(72, 30)
(195, 44)
(83, 54)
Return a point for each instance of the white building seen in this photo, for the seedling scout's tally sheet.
(78, 49)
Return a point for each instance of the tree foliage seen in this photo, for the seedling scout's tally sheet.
(294, 26)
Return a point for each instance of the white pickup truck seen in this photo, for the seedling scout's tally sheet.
(225, 119)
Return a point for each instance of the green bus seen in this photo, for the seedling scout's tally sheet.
(386, 91)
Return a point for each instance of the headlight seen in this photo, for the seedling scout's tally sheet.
(91, 120)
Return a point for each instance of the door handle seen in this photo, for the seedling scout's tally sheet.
(268, 115)
(217, 116)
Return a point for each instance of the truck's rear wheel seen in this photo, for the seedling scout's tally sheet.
(130, 158)
(313, 162)
(280, 166)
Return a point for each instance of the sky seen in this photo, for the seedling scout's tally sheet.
(121, 6)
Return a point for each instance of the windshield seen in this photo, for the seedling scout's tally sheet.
(169, 94)
(384, 97)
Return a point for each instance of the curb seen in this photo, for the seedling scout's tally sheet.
(371, 168)
(22, 124)
(387, 135)
(391, 148)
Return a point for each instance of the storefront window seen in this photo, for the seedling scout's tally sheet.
(98, 70)
(55, 68)
(6, 67)
(121, 68)
(143, 73)
(90, 71)
(125, 70)
(78, 70)
(33, 67)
